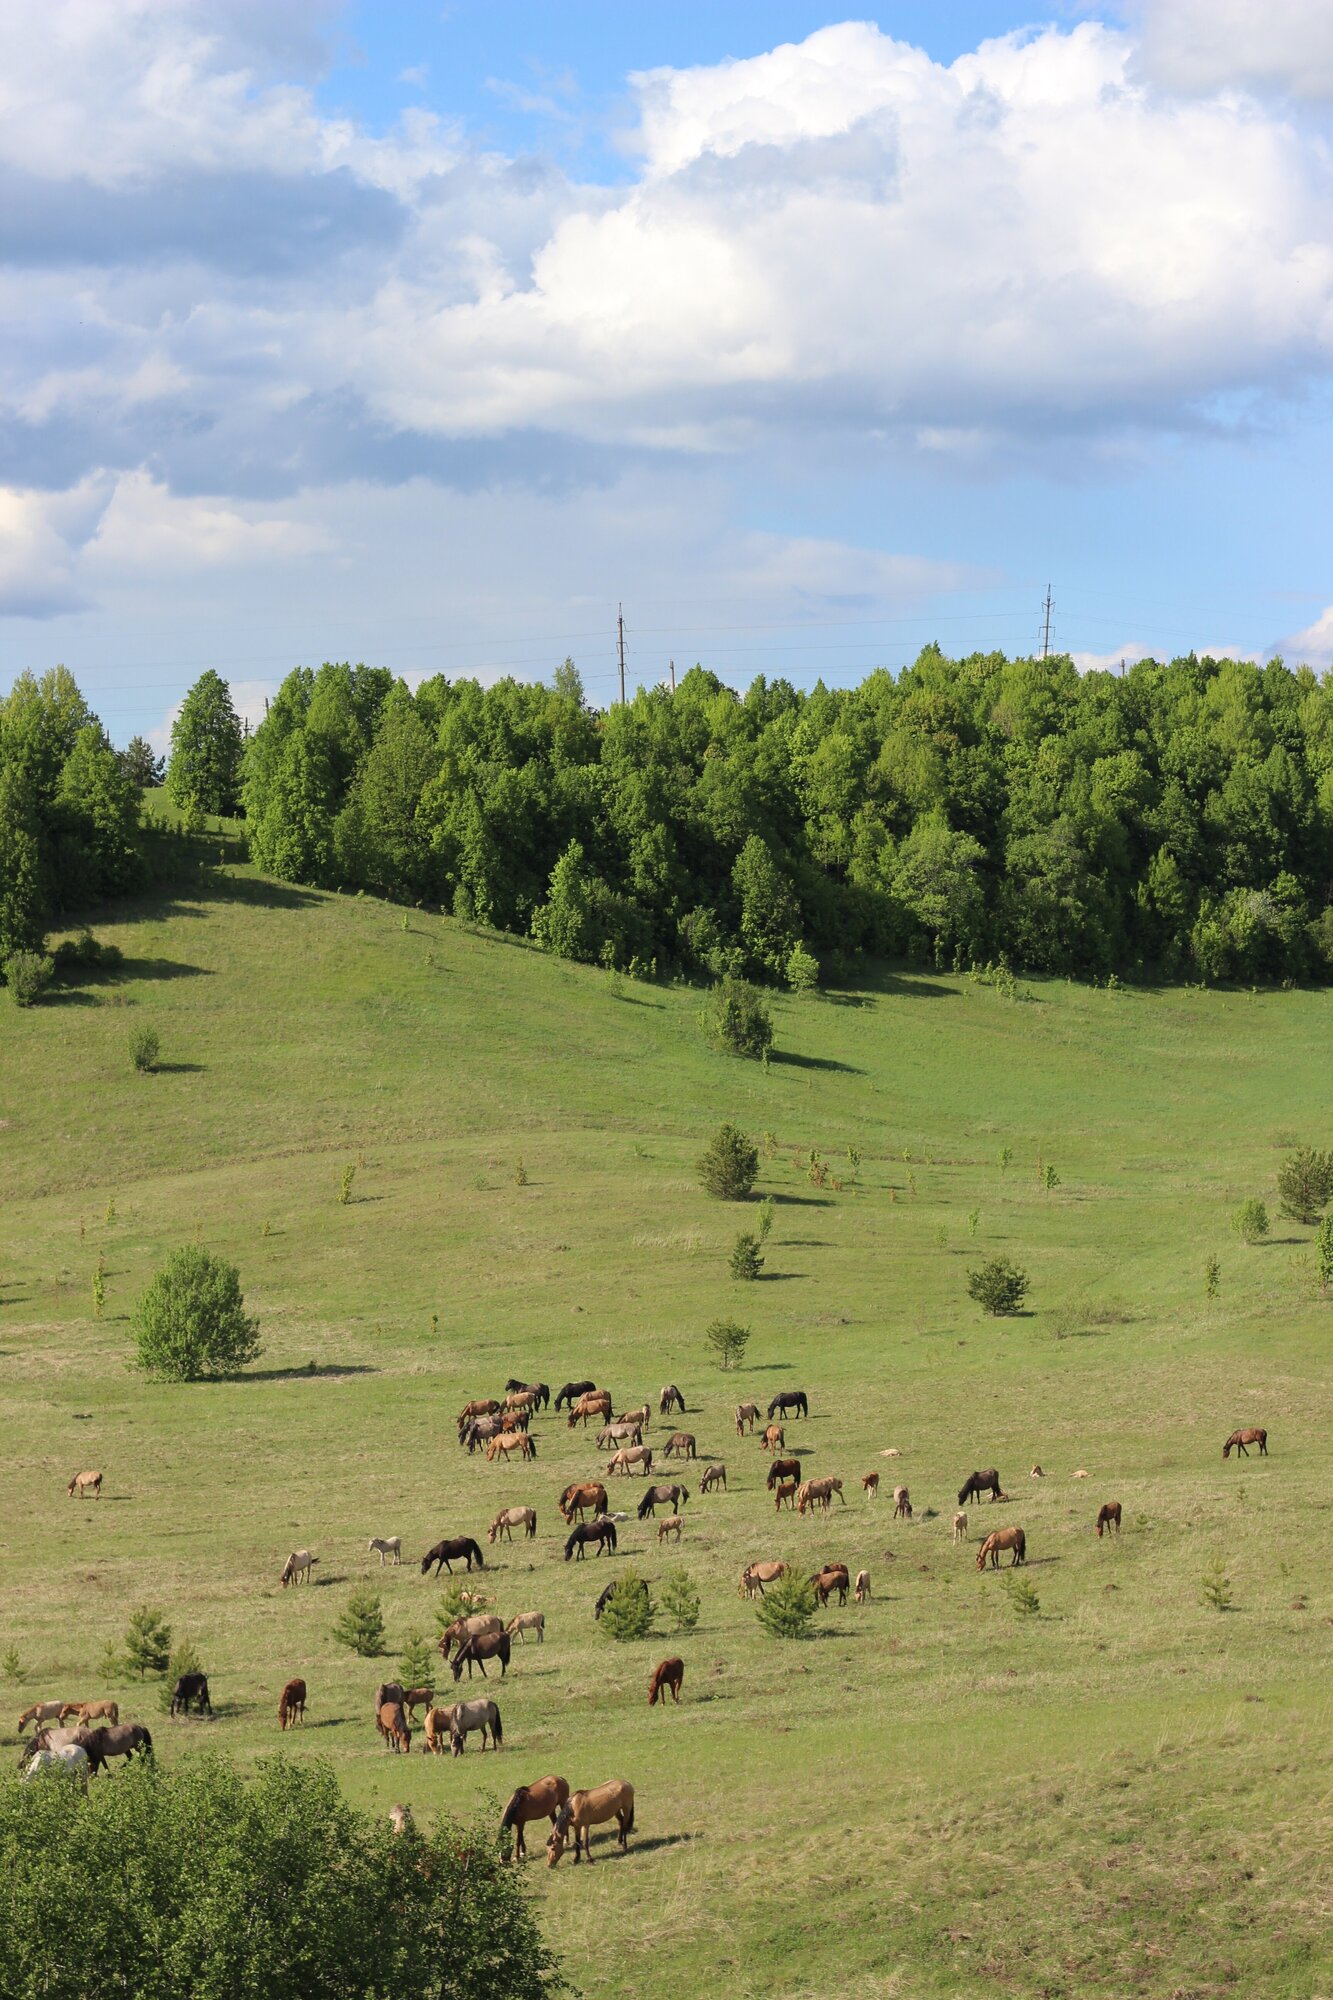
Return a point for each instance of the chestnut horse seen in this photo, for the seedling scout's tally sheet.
(540, 1801)
(575, 1499)
(291, 1705)
(1003, 1538)
(667, 1674)
(1109, 1517)
(832, 1577)
(585, 1810)
(782, 1468)
(391, 1723)
(1241, 1438)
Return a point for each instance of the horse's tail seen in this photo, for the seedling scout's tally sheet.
(532, 1445)
(629, 1822)
(1021, 1546)
(612, 1527)
(497, 1733)
(474, 1548)
(146, 1742)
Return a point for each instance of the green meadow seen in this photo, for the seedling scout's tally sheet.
(1125, 1791)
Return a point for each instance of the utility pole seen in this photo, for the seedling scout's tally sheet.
(1046, 628)
(672, 668)
(620, 633)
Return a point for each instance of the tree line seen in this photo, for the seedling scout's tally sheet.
(1177, 818)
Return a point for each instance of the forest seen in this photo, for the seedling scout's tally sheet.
(1176, 820)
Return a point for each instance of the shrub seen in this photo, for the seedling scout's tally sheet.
(345, 1186)
(998, 1287)
(728, 1341)
(28, 974)
(746, 1262)
(1250, 1221)
(460, 1600)
(1215, 1588)
(728, 1168)
(628, 1612)
(192, 1321)
(99, 1292)
(787, 1607)
(145, 1048)
(1212, 1278)
(1023, 1599)
(765, 1218)
(210, 1882)
(1323, 1244)
(147, 1644)
(84, 950)
(11, 1666)
(802, 970)
(734, 1018)
(361, 1627)
(1305, 1185)
(1050, 1180)
(681, 1601)
(417, 1664)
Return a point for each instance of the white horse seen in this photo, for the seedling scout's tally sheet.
(297, 1567)
(69, 1759)
(386, 1545)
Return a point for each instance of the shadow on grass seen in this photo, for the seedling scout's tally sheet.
(798, 1200)
(323, 1582)
(324, 1371)
(260, 891)
(790, 1060)
(658, 1840)
(180, 1069)
(780, 1277)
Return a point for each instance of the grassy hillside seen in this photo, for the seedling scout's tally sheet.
(1125, 1793)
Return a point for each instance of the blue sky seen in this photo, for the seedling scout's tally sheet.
(426, 333)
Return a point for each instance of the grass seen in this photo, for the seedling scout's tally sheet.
(1126, 1793)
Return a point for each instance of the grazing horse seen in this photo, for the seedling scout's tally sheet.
(662, 1496)
(475, 1626)
(388, 1691)
(191, 1688)
(391, 1723)
(818, 1493)
(291, 1705)
(747, 1416)
(481, 1406)
(524, 1400)
(103, 1744)
(415, 1698)
(1241, 1438)
(787, 1400)
(437, 1732)
(456, 1548)
(510, 1441)
(528, 1621)
(71, 1760)
(978, 1483)
(670, 1399)
(580, 1497)
(597, 1403)
(755, 1575)
(667, 1675)
(671, 1526)
(1003, 1538)
(863, 1586)
(386, 1545)
(45, 1711)
(297, 1567)
(585, 1810)
(84, 1483)
(1108, 1517)
(511, 1518)
(476, 1652)
(631, 1455)
(833, 1577)
(782, 1468)
(902, 1504)
(540, 1801)
(680, 1445)
(773, 1439)
(539, 1390)
(784, 1495)
(602, 1531)
(870, 1484)
(91, 1711)
(466, 1716)
(713, 1475)
(479, 1432)
(605, 1597)
(625, 1430)
(641, 1417)
(960, 1526)
(571, 1393)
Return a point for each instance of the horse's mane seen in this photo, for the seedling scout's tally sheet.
(511, 1810)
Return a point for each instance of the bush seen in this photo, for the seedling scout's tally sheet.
(1215, 1588)
(728, 1341)
(1250, 1221)
(84, 950)
(361, 1626)
(192, 1321)
(460, 1600)
(145, 1048)
(998, 1286)
(765, 1218)
(1323, 1245)
(680, 1601)
(28, 974)
(1212, 1278)
(746, 1262)
(802, 970)
(1305, 1185)
(628, 1612)
(729, 1167)
(787, 1607)
(210, 1882)
(734, 1018)
(1023, 1599)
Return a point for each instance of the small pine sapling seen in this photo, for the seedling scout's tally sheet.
(681, 1601)
(746, 1261)
(361, 1627)
(728, 1342)
(628, 1611)
(787, 1608)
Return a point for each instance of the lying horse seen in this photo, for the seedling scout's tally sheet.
(662, 1496)
(477, 1650)
(787, 1400)
(291, 1705)
(1003, 1538)
(669, 1399)
(191, 1688)
(667, 1676)
(585, 1810)
(540, 1801)
(452, 1550)
(572, 1391)
(580, 1497)
(978, 1483)
(1108, 1517)
(601, 1531)
(1241, 1438)
(511, 1518)
(713, 1475)
(297, 1567)
(466, 1716)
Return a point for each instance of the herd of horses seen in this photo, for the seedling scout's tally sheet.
(502, 1426)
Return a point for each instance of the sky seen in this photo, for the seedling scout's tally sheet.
(431, 334)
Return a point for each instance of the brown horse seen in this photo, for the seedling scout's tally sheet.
(482, 1406)
(511, 1441)
(978, 1483)
(1241, 1438)
(392, 1725)
(755, 1575)
(784, 1495)
(680, 1445)
(782, 1468)
(773, 1439)
(91, 1711)
(596, 1404)
(476, 1652)
(667, 1675)
(818, 1493)
(669, 1399)
(291, 1705)
(747, 1416)
(713, 1475)
(589, 1497)
(477, 1626)
(84, 1483)
(1003, 1538)
(833, 1577)
(585, 1810)
(870, 1483)
(1109, 1517)
(540, 1801)
(902, 1504)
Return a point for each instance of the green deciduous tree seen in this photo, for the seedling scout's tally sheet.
(192, 1321)
(206, 748)
(734, 1018)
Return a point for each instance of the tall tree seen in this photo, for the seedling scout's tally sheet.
(22, 898)
(206, 747)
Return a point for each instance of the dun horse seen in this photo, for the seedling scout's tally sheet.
(1003, 1538)
(585, 1810)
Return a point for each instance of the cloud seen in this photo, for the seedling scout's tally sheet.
(1202, 46)
(1131, 651)
(1313, 646)
(145, 529)
(40, 538)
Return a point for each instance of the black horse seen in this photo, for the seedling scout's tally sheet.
(978, 1483)
(605, 1597)
(600, 1531)
(787, 1400)
(191, 1688)
(571, 1393)
(662, 1496)
(476, 1651)
(541, 1390)
(449, 1552)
